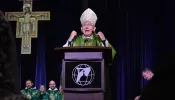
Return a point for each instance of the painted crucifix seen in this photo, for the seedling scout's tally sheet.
(27, 24)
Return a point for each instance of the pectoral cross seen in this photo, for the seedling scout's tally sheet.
(27, 24)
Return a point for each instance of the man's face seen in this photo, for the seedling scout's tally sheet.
(87, 28)
(52, 85)
(147, 75)
(42, 88)
(27, 9)
(29, 84)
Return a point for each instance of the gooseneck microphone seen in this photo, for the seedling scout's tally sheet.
(85, 40)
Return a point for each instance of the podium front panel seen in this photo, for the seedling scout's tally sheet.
(83, 55)
(83, 75)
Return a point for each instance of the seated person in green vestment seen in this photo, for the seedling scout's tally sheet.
(43, 94)
(53, 92)
(9, 69)
(29, 92)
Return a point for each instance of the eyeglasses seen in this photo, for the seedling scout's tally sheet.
(87, 25)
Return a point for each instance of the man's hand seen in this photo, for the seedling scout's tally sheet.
(72, 35)
(101, 35)
(137, 98)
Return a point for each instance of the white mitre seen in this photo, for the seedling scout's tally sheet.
(88, 15)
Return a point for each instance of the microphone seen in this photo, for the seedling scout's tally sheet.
(85, 40)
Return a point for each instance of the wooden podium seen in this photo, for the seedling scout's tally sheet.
(83, 71)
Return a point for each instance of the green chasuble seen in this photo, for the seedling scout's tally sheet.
(31, 94)
(44, 96)
(96, 41)
(54, 94)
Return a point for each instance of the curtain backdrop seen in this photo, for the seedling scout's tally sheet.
(140, 31)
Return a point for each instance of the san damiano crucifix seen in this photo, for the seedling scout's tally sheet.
(27, 24)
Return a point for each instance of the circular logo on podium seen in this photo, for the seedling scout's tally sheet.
(83, 74)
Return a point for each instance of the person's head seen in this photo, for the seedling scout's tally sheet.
(52, 84)
(29, 84)
(9, 89)
(42, 88)
(87, 28)
(88, 20)
(147, 74)
(27, 8)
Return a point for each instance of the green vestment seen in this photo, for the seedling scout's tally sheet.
(54, 95)
(96, 41)
(44, 96)
(31, 94)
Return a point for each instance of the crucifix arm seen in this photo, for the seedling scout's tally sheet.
(19, 16)
(13, 16)
(41, 15)
(36, 16)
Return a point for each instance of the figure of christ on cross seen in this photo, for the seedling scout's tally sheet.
(27, 22)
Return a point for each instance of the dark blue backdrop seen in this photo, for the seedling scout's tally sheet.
(140, 31)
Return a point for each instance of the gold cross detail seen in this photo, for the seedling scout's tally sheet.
(27, 24)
